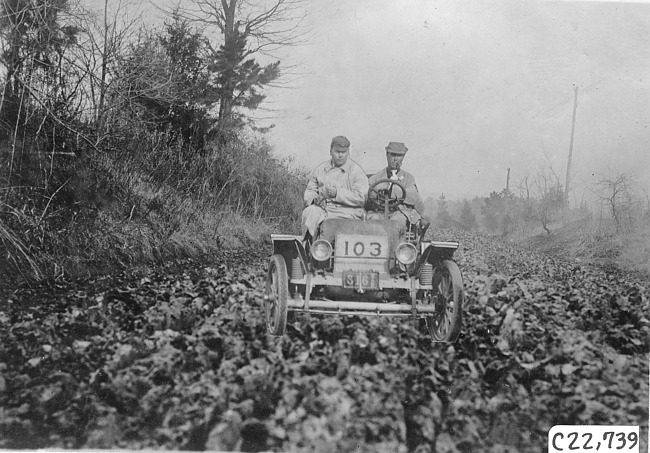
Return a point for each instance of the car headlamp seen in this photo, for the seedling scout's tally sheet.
(321, 250)
(406, 253)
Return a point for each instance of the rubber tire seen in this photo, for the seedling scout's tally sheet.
(448, 284)
(277, 288)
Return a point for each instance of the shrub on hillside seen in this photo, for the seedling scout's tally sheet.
(242, 174)
(120, 162)
(146, 199)
(495, 212)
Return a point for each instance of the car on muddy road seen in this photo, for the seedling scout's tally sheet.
(367, 267)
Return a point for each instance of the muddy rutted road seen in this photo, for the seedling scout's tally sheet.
(180, 359)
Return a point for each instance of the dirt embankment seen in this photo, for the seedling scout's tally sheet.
(179, 359)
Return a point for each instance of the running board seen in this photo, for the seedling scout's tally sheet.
(359, 308)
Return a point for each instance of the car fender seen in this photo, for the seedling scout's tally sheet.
(437, 251)
(290, 247)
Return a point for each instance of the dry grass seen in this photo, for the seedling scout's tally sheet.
(111, 240)
(635, 249)
(592, 241)
(121, 215)
(17, 252)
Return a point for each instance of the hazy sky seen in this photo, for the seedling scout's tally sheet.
(473, 88)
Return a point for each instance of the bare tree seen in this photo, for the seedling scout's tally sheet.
(36, 38)
(617, 194)
(524, 188)
(246, 28)
(103, 43)
(62, 56)
(524, 204)
(266, 25)
(550, 196)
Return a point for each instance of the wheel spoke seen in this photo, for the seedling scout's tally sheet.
(447, 320)
(443, 285)
(446, 286)
(450, 308)
(274, 282)
(444, 323)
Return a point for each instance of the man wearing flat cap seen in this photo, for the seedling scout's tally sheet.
(412, 208)
(337, 189)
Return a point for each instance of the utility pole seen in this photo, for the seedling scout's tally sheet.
(568, 165)
(506, 220)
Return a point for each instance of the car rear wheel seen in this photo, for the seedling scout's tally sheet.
(277, 291)
(445, 324)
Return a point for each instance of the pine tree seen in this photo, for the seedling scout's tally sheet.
(494, 211)
(239, 81)
(247, 29)
(443, 216)
(467, 216)
(187, 52)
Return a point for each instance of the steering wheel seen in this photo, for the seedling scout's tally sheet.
(377, 198)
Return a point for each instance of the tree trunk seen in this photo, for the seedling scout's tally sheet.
(102, 86)
(230, 35)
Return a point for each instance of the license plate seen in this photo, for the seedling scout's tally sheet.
(361, 280)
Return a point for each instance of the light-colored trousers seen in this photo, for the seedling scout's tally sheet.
(313, 216)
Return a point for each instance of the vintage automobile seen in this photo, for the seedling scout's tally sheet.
(367, 267)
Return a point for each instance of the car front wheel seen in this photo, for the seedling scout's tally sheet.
(277, 292)
(448, 296)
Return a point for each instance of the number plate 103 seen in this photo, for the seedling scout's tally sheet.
(593, 438)
(361, 246)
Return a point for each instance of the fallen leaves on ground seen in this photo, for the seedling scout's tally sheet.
(179, 358)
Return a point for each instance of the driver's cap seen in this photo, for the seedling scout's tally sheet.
(396, 148)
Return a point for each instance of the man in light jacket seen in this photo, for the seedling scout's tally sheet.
(337, 189)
